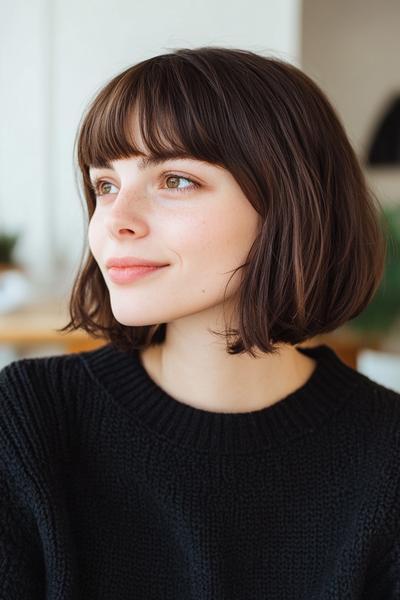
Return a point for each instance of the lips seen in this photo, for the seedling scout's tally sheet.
(131, 261)
(131, 274)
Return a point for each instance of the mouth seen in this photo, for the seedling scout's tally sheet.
(131, 261)
(131, 273)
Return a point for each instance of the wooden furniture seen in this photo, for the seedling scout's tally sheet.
(36, 324)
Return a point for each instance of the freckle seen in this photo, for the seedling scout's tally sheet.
(203, 291)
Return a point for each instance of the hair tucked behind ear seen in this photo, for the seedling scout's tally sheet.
(320, 252)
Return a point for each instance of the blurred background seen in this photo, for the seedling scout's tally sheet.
(55, 56)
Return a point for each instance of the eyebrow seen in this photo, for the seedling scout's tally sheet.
(146, 162)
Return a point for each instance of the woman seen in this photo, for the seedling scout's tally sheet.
(201, 453)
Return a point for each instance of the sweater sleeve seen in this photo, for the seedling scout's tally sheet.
(383, 581)
(385, 584)
(21, 573)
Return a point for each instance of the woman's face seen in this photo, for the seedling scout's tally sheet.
(184, 212)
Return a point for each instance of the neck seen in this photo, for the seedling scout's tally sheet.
(210, 379)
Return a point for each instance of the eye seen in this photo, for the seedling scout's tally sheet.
(175, 182)
(101, 188)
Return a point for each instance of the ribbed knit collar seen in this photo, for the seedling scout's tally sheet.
(126, 379)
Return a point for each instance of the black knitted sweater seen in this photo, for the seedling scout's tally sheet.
(111, 489)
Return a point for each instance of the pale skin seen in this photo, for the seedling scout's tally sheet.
(202, 233)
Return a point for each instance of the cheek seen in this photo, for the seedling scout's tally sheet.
(93, 238)
(197, 238)
(210, 247)
(223, 240)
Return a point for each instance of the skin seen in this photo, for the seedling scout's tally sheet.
(203, 234)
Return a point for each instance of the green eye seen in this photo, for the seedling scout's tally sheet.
(175, 178)
(102, 188)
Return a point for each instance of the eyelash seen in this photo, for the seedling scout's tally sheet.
(98, 182)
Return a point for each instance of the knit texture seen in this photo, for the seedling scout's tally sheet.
(111, 489)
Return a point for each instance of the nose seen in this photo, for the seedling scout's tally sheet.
(126, 217)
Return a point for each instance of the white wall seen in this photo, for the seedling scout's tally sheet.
(54, 56)
(352, 49)
(25, 121)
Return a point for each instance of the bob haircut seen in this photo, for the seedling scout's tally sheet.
(319, 255)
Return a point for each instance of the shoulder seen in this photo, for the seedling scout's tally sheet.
(49, 367)
(34, 396)
(378, 415)
(366, 423)
(377, 405)
(370, 424)
(36, 381)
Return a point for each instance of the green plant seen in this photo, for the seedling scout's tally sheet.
(384, 309)
(7, 245)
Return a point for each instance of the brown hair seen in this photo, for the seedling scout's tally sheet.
(320, 253)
